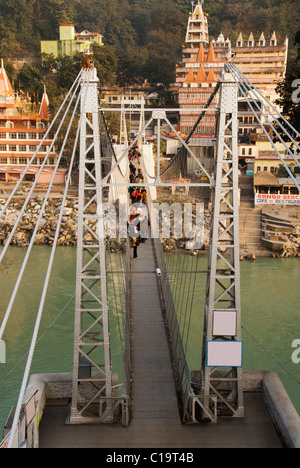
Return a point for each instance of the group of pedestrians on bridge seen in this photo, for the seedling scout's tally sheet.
(138, 220)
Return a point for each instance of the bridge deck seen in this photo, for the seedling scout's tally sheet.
(156, 422)
(153, 383)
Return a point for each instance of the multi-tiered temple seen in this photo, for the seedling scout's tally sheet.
(261, 59)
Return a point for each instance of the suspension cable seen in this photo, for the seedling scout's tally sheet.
(269, 103)
(42, 302)
(7, 244)
(16, 288)
(40, 338)
(276, 132)
(265, 131)
(107, 134)
(4, 208)
(214, 93)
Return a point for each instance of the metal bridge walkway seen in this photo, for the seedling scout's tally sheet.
(154, 391)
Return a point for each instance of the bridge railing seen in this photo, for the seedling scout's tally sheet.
(127, 358)
(181, 369)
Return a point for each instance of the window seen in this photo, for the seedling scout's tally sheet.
(32, 136)
(3, 135)
(13, 160)
(22, 148)
(22, 136)
(13, 136)
(265, 169)
(51, 161)
(3, 160)
(22, 160)
(2, 147)
(32, 148)
(12, 147)
(250, 152)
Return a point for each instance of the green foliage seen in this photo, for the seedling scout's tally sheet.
(281, 171)
(289, 95)
(136, 31)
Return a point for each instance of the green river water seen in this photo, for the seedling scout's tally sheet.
(270, 315)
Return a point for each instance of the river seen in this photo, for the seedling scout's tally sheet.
(270, 316)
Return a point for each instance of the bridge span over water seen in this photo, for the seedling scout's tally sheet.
(158, 401)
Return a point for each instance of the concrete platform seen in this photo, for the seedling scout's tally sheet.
(151, 431)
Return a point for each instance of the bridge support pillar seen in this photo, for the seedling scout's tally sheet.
(92, 374)
(222, 342)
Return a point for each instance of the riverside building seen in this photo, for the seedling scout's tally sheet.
(21, 132)
(262, 60)
(70, 42)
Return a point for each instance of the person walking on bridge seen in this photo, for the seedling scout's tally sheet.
(135, 246)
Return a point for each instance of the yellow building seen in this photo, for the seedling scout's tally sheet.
(70, 43)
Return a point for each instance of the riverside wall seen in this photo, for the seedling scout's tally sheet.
(68, 230)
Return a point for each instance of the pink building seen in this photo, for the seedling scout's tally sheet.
(21, 132)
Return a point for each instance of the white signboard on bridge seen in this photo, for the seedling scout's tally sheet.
(224, 353)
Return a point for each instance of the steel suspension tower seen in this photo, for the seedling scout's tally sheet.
(222, 346)
(92, 375)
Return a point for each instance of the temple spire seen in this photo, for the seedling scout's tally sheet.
(197, 31)
(44, 108)
(5, 85)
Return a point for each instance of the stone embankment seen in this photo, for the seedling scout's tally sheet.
(281, 242)
(48, 224)
(47, 228)
(281, 231)
(68, 231)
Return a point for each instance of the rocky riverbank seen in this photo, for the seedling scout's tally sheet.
(68, 231)
(46, 231)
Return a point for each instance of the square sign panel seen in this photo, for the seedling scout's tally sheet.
(224, 323)
(224, 353)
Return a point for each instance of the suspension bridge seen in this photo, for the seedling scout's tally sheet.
(158, 401)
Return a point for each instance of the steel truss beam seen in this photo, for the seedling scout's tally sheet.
(224, 389)
(92, 395)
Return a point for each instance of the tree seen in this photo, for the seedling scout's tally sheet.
(30, 79)
(289, 96)
(159, 70)
(281, 171)
(106, 63)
